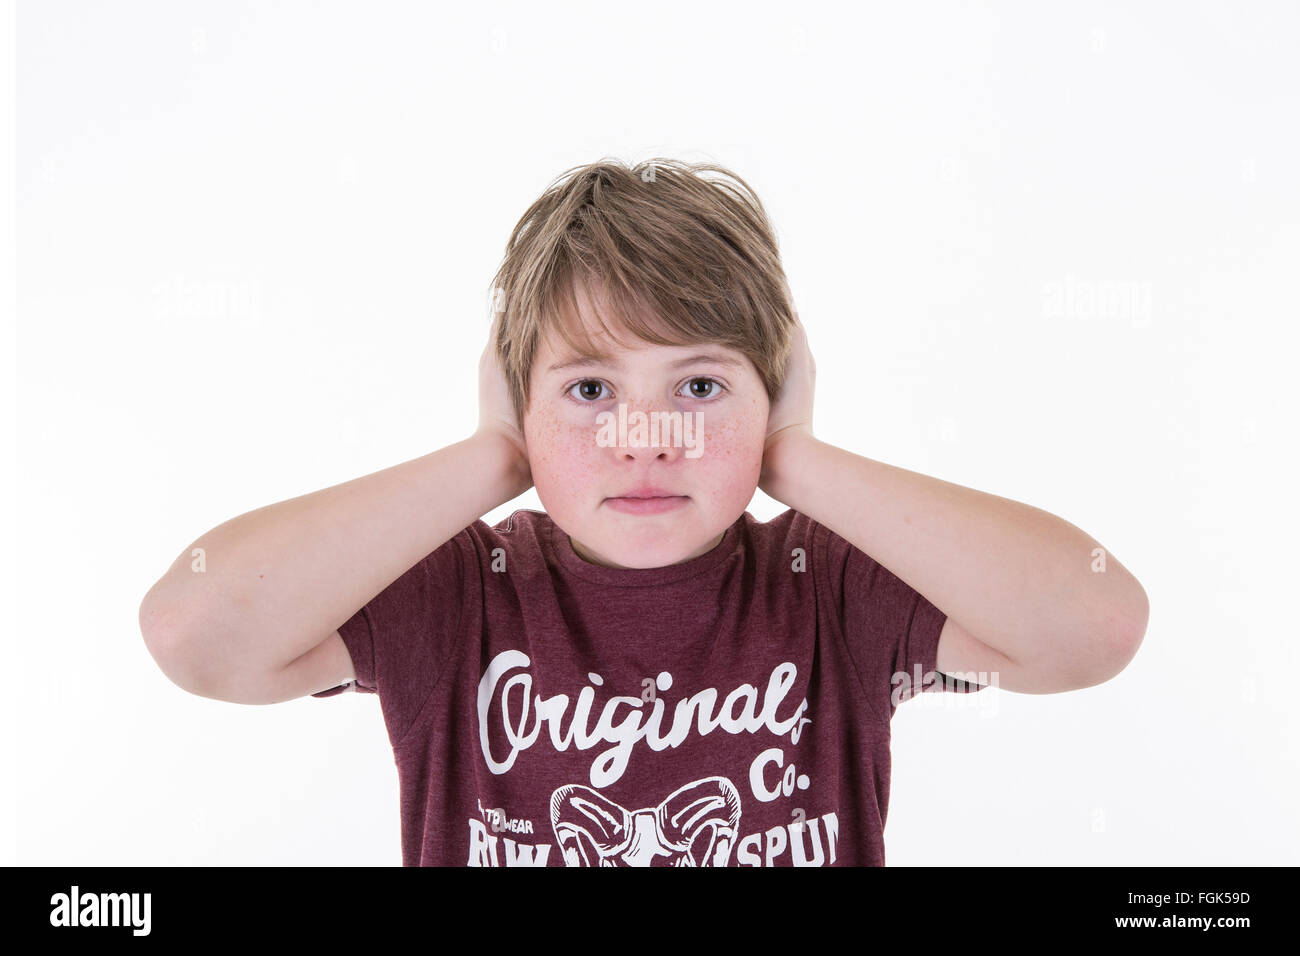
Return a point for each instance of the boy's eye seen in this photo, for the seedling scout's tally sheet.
(589, 390)
(708, 382)
(586, 387)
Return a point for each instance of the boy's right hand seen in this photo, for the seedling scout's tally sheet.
(496, 413)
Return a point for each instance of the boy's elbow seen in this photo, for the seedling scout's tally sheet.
(169, 657)
(1124, 634)
(1130, 637)
(172, 655)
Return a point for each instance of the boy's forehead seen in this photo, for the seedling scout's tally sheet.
(597, 333)
(556, 355)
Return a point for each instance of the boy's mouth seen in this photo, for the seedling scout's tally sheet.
(647, 506)
(646, 500)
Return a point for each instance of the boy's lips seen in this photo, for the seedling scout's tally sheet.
(649, 491)
(646, 500)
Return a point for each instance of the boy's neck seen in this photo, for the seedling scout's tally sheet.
(581, 551)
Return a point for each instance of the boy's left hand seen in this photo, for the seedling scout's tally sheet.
(790, 416)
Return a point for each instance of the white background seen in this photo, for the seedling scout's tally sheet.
(254, 244)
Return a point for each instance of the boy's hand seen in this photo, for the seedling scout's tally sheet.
(496, 413)
(790, 417)
(792, 412)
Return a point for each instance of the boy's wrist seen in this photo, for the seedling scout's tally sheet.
(509, 462)
(782, 455)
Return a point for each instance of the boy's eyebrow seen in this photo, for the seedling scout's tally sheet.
(700, 359)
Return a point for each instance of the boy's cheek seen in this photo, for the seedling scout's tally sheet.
(563, 455)
(733, 445)
(732, 474)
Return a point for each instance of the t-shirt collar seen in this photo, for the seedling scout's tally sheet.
(575, 564)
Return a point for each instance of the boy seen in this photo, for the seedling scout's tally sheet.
(643, 674)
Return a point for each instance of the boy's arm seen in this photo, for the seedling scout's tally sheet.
(255, 617)
(1028, 595)
(277, 582)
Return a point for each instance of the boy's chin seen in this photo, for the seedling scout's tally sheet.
(649, 547)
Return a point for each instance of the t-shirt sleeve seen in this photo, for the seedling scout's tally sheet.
(401, 639)
(891, 629)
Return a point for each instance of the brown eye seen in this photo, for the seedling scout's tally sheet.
(585, 389)
(710, 385)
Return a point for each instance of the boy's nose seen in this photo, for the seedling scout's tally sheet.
(663, 452)
(655, 438)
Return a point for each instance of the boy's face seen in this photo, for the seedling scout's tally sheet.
(588, 470)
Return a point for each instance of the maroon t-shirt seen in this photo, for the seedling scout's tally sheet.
(731, 710)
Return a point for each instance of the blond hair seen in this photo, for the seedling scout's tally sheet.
(681, 256)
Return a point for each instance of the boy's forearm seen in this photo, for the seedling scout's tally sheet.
(273, 583)
(1023, 581)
